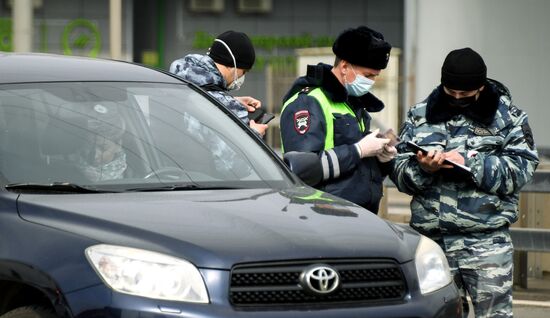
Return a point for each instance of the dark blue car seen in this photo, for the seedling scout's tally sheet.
(127, 192)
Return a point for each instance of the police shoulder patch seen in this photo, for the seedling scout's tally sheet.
(301, 121)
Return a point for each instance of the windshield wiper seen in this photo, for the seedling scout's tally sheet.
(177, 187)
(65, 187)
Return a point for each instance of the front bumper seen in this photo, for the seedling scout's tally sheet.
(100, 301)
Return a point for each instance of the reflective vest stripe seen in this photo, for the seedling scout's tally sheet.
(328, 107)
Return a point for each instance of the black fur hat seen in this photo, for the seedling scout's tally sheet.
(364, 47)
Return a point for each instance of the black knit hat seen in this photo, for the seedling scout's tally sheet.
(240, 45)
(363, 46)
(463, 70)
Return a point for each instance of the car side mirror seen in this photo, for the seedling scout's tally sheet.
(306, 165)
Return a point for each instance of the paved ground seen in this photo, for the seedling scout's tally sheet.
(533, 302)
(531, 312)
(527, 309)
(527, 312)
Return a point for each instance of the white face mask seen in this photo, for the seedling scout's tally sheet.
(360, 86)
(113, 170)
(237, 81)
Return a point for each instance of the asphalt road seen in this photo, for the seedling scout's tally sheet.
(522, 311)
(531, 312)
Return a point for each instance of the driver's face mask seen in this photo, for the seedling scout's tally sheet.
(104, 161)
(113, 170)
(237, 81)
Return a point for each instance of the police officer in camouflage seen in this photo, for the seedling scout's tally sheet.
(471, 120)
(327, 112)
(223, 70)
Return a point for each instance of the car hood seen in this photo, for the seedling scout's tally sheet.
(217, 229)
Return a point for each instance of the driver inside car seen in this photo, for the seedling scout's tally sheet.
(103, 157)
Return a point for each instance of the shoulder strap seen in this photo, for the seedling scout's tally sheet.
(327, 112)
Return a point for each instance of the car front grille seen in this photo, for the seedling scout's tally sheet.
(364, 281)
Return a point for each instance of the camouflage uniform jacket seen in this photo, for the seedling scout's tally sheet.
(202, 71)
(496, 141)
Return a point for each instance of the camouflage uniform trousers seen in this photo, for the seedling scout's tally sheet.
(482, 264)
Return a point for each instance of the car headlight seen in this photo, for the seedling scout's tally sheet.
(147, 274)
(432, 267)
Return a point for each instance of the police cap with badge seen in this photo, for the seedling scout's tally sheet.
(364, 47)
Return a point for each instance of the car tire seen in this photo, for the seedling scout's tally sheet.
(29, 312)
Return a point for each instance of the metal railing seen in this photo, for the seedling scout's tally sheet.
(531, 234)
(534, 239)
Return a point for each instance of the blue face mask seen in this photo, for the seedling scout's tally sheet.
(360, 86)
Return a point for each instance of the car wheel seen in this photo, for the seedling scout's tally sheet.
(29, 312)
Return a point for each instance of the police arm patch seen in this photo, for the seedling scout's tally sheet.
(301, 121)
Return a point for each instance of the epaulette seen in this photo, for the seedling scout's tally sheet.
(305, 90)
(514, 110)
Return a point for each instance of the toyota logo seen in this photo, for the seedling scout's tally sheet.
(320, 279)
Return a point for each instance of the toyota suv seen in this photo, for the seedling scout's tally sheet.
(128, 192)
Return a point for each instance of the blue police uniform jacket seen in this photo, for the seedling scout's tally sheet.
(303, 128)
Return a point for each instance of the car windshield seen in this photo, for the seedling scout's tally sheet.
(126, 136)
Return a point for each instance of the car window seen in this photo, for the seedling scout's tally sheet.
(127, 136)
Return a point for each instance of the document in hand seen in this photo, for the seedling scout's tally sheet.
(459, 167)
(391, 135)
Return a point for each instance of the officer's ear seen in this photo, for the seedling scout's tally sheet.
(344, 65)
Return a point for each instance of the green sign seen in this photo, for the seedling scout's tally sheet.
(6, 43)
(81, 35)
(78, 35)
(204, 40)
